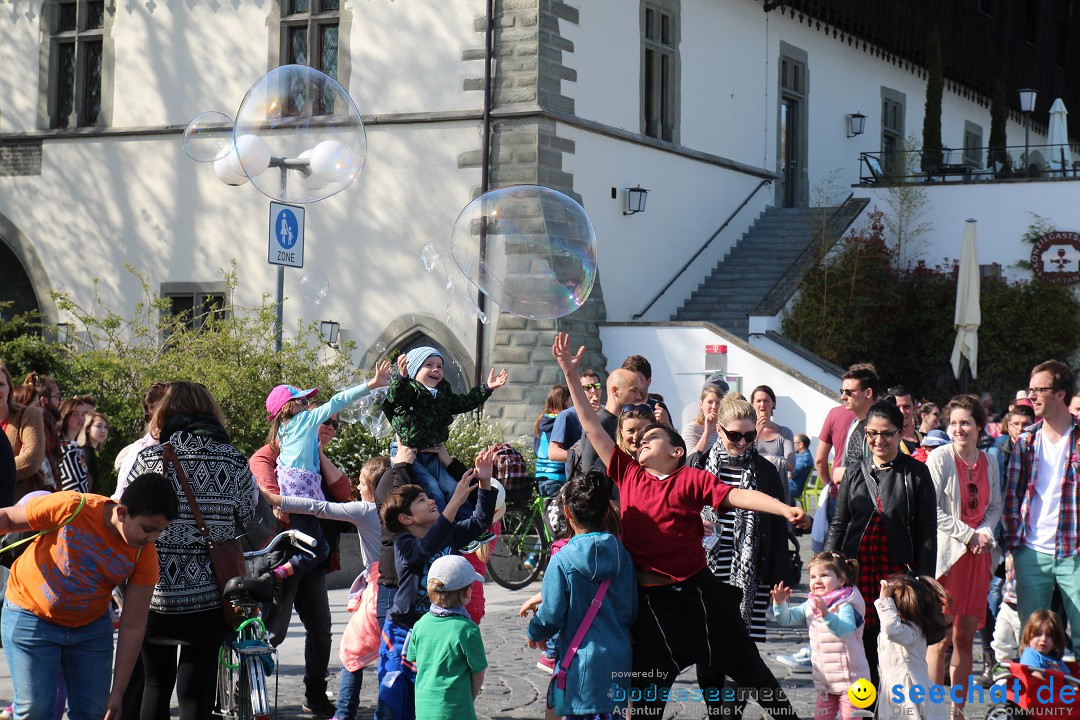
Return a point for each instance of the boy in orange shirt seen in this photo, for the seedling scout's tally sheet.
(56, 610)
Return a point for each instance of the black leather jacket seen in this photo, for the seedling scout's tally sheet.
(910, 516)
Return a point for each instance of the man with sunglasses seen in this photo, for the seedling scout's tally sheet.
(624, 387)
(1042, 499)
(857, 393)
(567, 428)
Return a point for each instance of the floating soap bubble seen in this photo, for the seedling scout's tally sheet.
(475, 310)
(207, 135)
(378, 395)
(380, 347)
(351, 414)
(380, 426)
(299, 136)
(314, 286)
(531, 249)
(428, 256)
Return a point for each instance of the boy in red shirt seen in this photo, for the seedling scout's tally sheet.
(687, 616)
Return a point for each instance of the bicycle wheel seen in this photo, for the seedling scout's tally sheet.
(519, 554)
(254, 699)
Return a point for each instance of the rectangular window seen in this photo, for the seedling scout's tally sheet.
(892, 132)
(660, 72)
(973, 153)
(77, 54)
(310, 37)
(193, 307)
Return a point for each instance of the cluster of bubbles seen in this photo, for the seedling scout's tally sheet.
(367, 411)
(530, 249)
(314, 286)
(295, 119)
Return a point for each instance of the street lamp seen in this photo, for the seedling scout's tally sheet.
(635, 200)
(1027, 106)
(856, 124)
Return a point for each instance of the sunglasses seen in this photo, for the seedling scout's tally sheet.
(973, 495)
(333, 422)
(591, 386)
(736, 437)
(642, 407)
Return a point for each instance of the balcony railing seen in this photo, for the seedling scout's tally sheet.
(967, 165)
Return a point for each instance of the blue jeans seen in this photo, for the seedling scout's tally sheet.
(385, 602)
(349, 694)
(38, 651)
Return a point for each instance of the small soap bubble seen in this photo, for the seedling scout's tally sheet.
(350, 414)
(380, 347)
(531, 249)
(381, 427)
(207, 135)
(314, 286)
(428, 256)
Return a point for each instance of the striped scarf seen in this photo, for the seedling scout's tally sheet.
(748, 528)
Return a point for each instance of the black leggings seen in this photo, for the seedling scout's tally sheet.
(697, 622)
(194, 678)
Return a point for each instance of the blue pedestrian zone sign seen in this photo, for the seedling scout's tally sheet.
(286, 245)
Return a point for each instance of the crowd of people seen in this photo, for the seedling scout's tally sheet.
(934, 526)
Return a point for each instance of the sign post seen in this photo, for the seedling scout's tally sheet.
(284, 249)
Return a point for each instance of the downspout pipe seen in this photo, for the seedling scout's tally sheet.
(485, 179)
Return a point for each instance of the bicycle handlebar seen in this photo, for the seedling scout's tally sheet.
(297, 538)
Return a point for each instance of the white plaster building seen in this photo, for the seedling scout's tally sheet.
(698, 101)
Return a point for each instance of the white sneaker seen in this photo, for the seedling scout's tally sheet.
(798, 661)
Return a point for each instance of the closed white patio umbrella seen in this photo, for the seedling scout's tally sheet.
(968, 314)
(1059, 155)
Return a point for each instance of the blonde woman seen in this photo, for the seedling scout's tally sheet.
(700, 433)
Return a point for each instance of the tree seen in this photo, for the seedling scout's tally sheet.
(935, 86)
(999, 116)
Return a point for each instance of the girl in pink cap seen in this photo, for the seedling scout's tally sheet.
(294, 433)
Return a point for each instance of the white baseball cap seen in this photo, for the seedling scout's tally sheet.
(454, 572)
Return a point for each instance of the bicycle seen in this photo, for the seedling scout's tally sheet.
(521, 550)
(246, 656)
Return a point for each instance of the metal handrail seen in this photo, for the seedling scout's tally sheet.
(702, 248)
(905, 166)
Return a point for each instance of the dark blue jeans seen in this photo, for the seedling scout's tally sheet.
(307, 591)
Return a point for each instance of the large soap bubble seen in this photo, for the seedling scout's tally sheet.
(531, 249)
(299, 136)
(207, 135)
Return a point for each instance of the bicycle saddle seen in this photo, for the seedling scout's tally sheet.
(260, 588)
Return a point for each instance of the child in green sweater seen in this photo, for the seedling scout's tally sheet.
(445, 645)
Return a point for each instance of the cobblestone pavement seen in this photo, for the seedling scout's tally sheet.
(514, 687)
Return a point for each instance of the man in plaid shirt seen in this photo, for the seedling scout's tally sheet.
(1042, 499)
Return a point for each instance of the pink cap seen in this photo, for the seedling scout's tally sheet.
(282, 394)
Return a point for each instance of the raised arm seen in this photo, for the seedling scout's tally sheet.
(590, 421)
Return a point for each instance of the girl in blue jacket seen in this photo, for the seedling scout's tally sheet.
(594, 681)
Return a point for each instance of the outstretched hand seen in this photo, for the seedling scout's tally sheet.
(461, 493)
(494, 382)
(382, 375)
(485, 461)
(403, 365)
(780, 593)
(568, 362)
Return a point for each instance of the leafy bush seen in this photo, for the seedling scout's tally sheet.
(858, 305)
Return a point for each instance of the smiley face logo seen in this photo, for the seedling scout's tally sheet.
(862, 693)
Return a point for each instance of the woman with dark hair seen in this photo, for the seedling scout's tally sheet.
(886, 515)
(929, 417)
(186, 609)
(25, 431)
(969, 508)
(125, 459)
(554, 471)
(775, 443)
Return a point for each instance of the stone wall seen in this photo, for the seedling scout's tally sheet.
(526, 149)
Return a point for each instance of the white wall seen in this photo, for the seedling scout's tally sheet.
(687, 203)
(1003, 211)
(729, 58)
(677, 356)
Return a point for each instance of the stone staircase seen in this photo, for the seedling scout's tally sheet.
(765, 268)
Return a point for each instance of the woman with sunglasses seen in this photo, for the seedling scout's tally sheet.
(969, 506)
(750, 549)
(886, 515)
